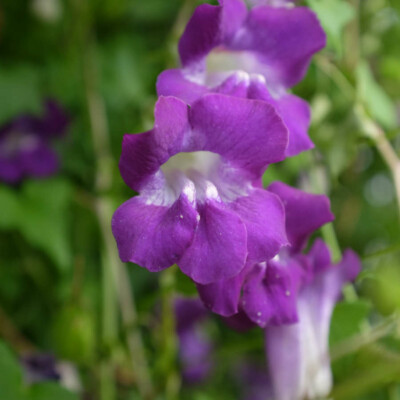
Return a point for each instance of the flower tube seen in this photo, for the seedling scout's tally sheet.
(298, 353)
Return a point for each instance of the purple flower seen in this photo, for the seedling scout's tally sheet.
(194, 344)
(197, 206)
(292, 296)
(40, 367)
(298, 354)
(257, 54)
(261, 290)
(25, 149)
(254, 381)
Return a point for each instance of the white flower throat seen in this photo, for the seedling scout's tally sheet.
(201, 175)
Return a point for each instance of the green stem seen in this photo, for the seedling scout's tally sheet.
(169, 339)
(372, 130)
(116, 288)
(371, 335)
(328, 231)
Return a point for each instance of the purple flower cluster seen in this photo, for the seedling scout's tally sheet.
(220, 120)
(25, 144)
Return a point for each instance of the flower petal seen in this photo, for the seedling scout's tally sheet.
(247, 133)
(222, 297)
(201, 35)
(264, 217)
(54, 122)
(294, 112)
(284, 39)
(219, 247)
(40, 162)
(296, 115)
(10, 171)
(270, 294)
(143, 154)
(305, 212)
(208, 28)
(239, 322)
(173, 82)
(155, 237)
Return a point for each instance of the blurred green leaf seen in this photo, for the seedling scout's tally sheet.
(334, 16)
(377, 101)
(39, 211)
(78, 345)
(377, 368)
(44, 219)
(9, 204)
(346, 322)
(10, 376)
(51, 391)
(19, 92)
(383, 286)
(124, 77)
(347, 319)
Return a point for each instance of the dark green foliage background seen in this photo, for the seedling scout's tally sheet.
(52, 285)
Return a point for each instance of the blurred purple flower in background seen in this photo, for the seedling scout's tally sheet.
(254, 381)
(197, 205)
(194, 344)
(44, 367)
(257, 54)
(40, 367)
(25, 144)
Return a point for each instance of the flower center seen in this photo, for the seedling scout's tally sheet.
(221, 63)
(201, 161)
(205, 174)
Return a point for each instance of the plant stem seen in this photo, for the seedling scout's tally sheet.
(375, 132)
(169, 340)
(371, 335)
(369, 126)
(328, 232)
(116, 281)
(10, 333)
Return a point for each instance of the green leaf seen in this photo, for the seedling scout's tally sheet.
(334, 16)
(346, 322)
(377, 101)
(19, 92)
(347, 319)
(10, 376)
(78, 345)
(51, 391)
(44, 220)
(9, 206)
(39, 212)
